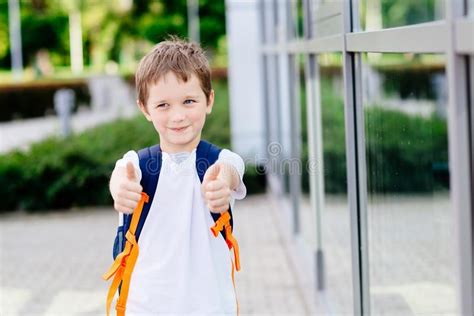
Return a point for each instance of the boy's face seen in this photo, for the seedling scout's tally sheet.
(178, 111)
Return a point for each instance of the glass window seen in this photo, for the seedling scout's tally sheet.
(289, 164)
(334, 215)
(471, 8)
(409, 215)
(282, 106)
(307, 212)
(381, 14)
(327, 17)
(295, 16)
(272, 109)
(269, 21)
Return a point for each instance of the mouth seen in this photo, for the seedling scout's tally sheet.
(179, 129)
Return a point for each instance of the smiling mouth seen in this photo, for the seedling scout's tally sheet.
(180, 129)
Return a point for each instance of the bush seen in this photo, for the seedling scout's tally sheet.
(405, 153)
(35, 99)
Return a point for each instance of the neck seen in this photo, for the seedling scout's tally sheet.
(173, 149)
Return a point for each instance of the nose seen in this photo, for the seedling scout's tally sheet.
(177, 115)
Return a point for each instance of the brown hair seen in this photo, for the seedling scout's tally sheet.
(181, 57)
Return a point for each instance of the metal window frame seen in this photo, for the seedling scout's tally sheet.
(459, 159)
(295, 119)
(313, 119)
(432, 37)
(464, 36)
(295, 147)
(452, 37)
(429, 37)
(265, 85)
(471, 125)
(356, 188)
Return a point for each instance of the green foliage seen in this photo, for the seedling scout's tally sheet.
(108, 29)
(402, 12)
(415, 84)
(333, 140)
(217, 127)
(406, 12)
(40, 30)
(42, 27)
(212, 22)
(4, 36)
(404, 153)
(60, 173)
(12, 180)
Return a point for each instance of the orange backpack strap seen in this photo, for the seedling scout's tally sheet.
(224, 223)
(123, 265)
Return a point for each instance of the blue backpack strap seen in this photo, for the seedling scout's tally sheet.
(150, 165)
(206, 155)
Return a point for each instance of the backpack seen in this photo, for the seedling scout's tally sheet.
(125, 249)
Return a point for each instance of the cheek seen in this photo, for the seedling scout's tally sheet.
(160, 122)
(198, 117)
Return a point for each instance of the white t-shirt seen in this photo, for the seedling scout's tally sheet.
(182, 269)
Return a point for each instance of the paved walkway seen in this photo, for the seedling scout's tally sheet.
(111, 98)
(51, 264)
(20, 134)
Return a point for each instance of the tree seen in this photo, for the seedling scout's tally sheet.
(109, 28)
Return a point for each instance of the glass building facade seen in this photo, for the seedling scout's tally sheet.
(369, 129)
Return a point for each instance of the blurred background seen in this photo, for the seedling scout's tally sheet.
(354, 119)
(78, 58)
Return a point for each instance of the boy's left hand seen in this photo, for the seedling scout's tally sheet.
(216, 187)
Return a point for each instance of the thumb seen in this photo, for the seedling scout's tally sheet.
(131, 175)
(212, 173)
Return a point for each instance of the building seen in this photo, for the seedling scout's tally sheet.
(362, 112)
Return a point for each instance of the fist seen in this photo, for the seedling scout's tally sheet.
(216, 189)
(125, 188)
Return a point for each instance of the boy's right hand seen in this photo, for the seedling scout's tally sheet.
(125, 188)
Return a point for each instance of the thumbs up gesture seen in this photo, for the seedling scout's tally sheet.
(216, 187)
(125, 188)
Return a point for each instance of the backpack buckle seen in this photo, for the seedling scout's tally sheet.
(223, 221)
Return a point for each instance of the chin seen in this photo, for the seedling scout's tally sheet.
(181, 140)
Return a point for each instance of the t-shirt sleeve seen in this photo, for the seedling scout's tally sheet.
(231, 158)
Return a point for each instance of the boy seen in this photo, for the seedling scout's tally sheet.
(181, 268)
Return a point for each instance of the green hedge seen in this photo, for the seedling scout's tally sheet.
(36, 99)
(404, 153)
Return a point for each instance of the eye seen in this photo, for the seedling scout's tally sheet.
(189, 101)
(162, 105)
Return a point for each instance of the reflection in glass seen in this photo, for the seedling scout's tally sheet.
(335, 216)
(296, 17)
(382, 14)
(410, 237)
(307, 211)
(327, 17)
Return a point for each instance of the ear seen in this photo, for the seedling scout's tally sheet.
(210, 102)
(144, 110)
